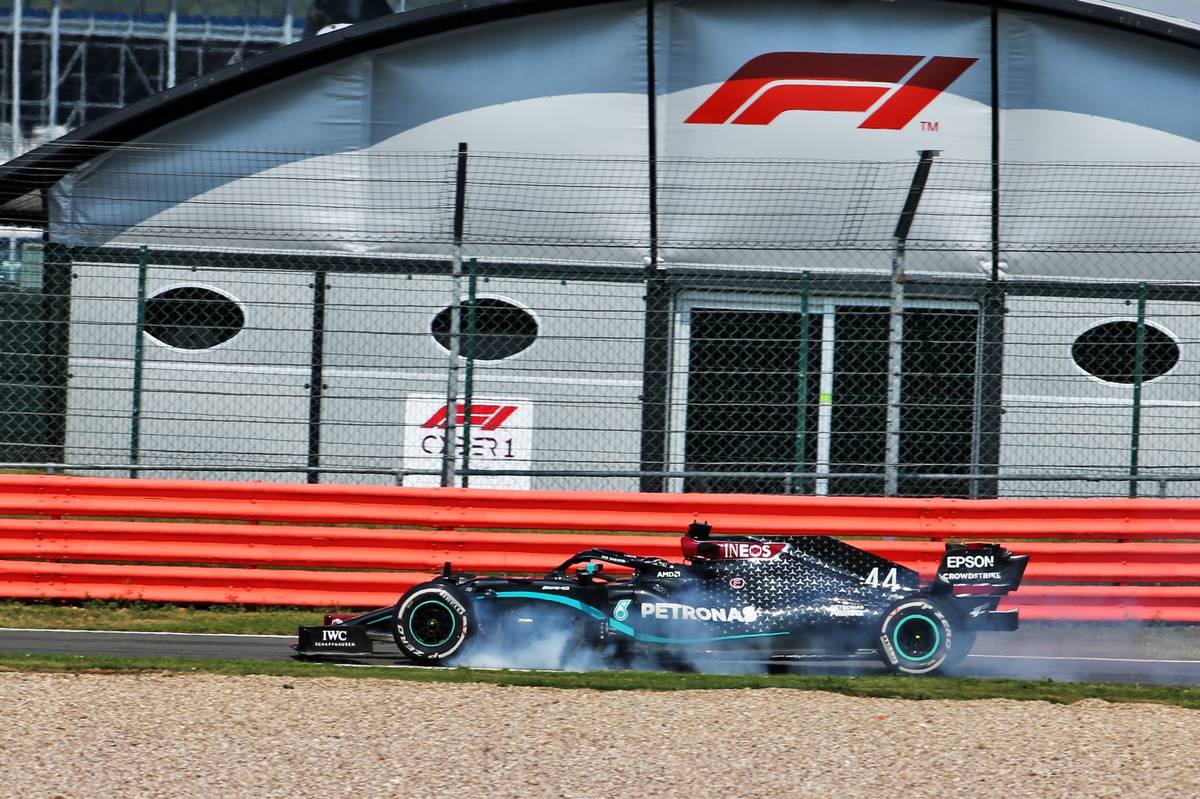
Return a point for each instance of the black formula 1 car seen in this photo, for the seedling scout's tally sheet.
(802, 594)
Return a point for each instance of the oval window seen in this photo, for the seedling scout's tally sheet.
(193, 318)
(501, 329)
(1109, 351)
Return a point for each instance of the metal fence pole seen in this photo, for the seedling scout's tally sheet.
(891, 466)
(977, 400)
(451, 440)
(656, 336)
(172, 41)
(135, 417)
(798, 458)
(1139, 371)
(52, 88)
(18, 13)
(991, 405)
(469, 381)
(316, 374)
(55, 308)
(289, 21)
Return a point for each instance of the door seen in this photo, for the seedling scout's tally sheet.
(750, 405)
(747, 406)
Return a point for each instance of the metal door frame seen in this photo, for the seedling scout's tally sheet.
(826, 307)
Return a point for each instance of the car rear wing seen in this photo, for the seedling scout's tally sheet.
(985, 569)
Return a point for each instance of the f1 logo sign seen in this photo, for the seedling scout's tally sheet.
(894, 88)
(483, 417)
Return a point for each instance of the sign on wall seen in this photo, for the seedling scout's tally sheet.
(844, 81)
(501, 438)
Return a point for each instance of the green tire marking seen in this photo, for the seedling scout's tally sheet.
(937, 638)
(453, 623)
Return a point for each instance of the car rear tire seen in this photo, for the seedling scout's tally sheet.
(432, 622)
(964, 642)
(920, 636)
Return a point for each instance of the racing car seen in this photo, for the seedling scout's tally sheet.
(797, 594)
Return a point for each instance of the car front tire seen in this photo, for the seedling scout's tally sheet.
(431, 623)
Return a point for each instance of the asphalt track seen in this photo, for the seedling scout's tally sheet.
(1162, 655)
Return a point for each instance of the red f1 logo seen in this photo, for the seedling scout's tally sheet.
(483, 417)
(894, 88)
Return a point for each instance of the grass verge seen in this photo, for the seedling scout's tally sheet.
(874, 686)
(157, 617)
(1164, 641)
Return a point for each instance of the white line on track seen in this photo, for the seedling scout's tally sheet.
(443, 668)
(763, 663)
(262, 636)
(135, 632)
(1073, 657)
(386, 666)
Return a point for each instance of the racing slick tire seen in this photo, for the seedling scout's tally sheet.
(921, 636)
(431, 623)
(964, 642)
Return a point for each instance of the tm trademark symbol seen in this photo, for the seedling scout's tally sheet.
(931, 127)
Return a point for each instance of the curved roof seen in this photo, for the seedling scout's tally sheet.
(1179, 9)
(23, 178)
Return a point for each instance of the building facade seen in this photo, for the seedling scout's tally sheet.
(687, 221)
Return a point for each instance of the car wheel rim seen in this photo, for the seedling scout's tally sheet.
(917, 638)
(432, 623)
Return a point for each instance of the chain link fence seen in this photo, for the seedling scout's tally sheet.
(608, 323)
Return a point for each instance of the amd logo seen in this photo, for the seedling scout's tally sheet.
(893, 88)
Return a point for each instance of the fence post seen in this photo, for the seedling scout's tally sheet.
(55, 309)
(316, 374)
(977, 404)
(456, 270)
(891, 465)
(52, 78)
(469, 381)
(172, 41)
(18, 14)
(798, 459)
(1139, 370)
(135, 416)
(289, 17)
(656, 336)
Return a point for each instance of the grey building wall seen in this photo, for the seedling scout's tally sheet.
(247, 401)
(243, 402)
(1055, 412)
